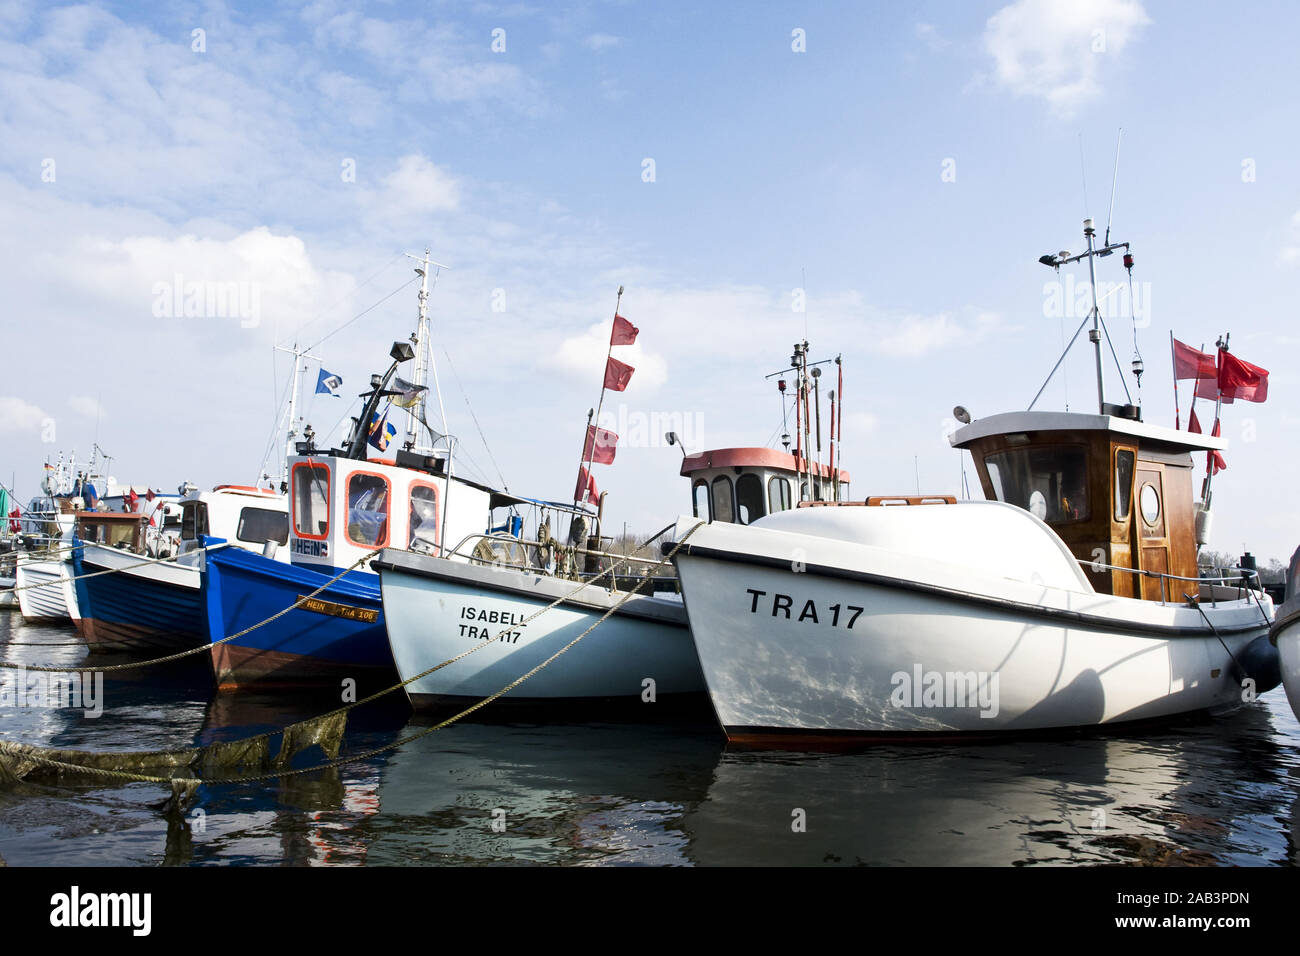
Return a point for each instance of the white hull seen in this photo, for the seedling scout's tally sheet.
(435, 609)
(56, 601)
(8, 597)
(894, 642)
(1288, 649)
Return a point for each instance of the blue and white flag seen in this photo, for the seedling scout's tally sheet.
(328, 383)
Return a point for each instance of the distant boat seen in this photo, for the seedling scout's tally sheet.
(151, 602)
(1285, 634)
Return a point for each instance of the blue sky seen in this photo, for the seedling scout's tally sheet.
(907, 168)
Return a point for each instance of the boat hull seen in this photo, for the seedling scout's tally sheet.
(792, 649)
(437, 609)
(338, 636)
(54, 602)
(154, 606)
(1286, 636)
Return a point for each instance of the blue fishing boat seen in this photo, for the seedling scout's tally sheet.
(132, 595)
(343, 508)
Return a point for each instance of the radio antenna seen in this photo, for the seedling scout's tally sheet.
(1119, 137)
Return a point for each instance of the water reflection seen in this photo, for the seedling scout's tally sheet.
(509, 790)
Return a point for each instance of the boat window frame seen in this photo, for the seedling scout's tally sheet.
(388, 510)
(713, 503)
(749, 477)
(708, 499)
(437, 513)
(1125, 498)
(997, 480)
(787, 494)
(239, 524)
(294, 526)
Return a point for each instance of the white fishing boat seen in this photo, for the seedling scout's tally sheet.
(438, 607)
(44, 589)
(1285, 634)
(1070, 598)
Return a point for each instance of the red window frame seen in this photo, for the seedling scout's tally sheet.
(388, 521)
(329, 497)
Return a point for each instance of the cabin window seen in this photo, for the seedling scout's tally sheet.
(368, 510)
(701, 503)
(423, 535)
(778, 495)
(749, 498)
(1150, 503)
(1050, 483)
(1123, 483)
(311, 500)
(259, 525)
(194, 520)
(724, 499)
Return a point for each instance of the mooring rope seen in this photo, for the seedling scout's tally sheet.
(314, 729)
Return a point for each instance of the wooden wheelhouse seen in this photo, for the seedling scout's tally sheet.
(1118, 491)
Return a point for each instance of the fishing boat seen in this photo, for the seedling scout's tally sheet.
(134, 595)
(437, 607)
(318, 618)
(1285, 634)
(1069, 598)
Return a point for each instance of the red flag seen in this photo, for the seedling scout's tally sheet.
(14, 525)
(586, 489)
(149, 495)
(1193, 425)
(1214, 457)
(624, 332)
(617, 375)
(132, 500)
(1241, 379)
(600, 446)
(1192, 363)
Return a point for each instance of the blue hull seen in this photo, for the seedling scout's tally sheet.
(339, 635)
(131, 610)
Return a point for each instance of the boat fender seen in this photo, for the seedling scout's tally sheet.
(1261, 663)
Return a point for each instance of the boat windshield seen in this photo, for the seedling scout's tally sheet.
(1050, 483)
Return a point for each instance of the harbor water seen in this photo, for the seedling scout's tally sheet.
(504, 788)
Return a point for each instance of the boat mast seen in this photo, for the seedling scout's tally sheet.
(416, 416)
(291, 411)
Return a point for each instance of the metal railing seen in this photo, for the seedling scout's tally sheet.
(1238, 582)
(524, 544)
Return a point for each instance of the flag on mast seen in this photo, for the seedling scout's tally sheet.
(328, 383)
(600, 446)
(624, 332)
(586, 489)
(617, 374)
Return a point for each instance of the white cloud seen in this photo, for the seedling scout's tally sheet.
(1055, 50)
(927, 34)
(18, 415)
(601, 41)
(420, 186)
(87, 407)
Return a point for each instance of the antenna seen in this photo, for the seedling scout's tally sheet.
(1119, 137)
(1083, 173)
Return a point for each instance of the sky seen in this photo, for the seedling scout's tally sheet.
(896, 168)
